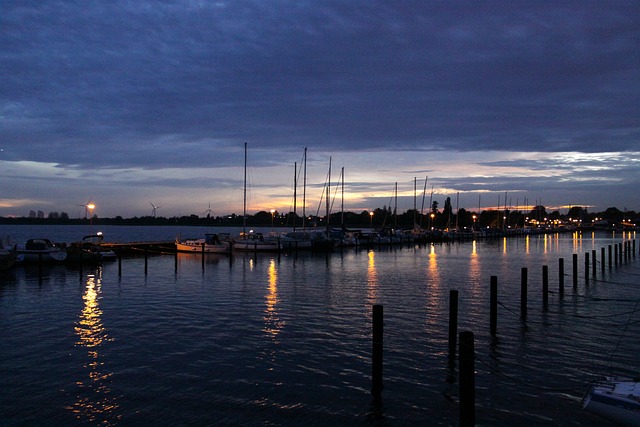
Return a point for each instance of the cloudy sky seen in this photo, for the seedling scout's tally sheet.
(128, 103)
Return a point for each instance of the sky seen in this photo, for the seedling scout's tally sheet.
(134, 104)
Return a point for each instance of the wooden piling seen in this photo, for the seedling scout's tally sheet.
(120, 262)
(615, 250)
(467, 380)
(146, 261)
(545, 286)
(575, 271)
(453, 322)
(493, 303)
(602, 263)
(561, 276)
(203, 257)
(523, 292)
(594, 267)
(586, 267)
(610, 260)
(376, 371)
(175, 261)
(620, 252)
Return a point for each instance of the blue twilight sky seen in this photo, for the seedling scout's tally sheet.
(128, 103)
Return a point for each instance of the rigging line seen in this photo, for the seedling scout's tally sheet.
(621, 335)
(521, 382)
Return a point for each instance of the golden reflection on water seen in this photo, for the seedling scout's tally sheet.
(93, 402)
(273, 325)
(474, 263)
(372, 277)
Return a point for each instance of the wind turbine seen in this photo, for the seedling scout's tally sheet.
(155, 208)
(208, 211)
(86, 208)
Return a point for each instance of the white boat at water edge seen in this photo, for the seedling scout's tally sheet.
(212, 243)
(256, 242)
(617, 399)
(8, 256)
(41, 250)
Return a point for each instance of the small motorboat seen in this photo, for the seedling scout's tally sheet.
(89, 250)
(8, 256)
(41, 250)
(615, 398)
(212, 243)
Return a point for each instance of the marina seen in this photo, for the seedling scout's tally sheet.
(285, 338)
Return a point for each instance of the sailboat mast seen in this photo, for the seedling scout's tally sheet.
(328, 194)
(424, 194)
(304, 190)
(415, 207)
(395, 207)
(295, 196)
(244, 193)
(342, 202)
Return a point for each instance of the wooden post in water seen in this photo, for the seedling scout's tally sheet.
(615, 254)
(203, 257)
(146, 260)
(523, 292)
(120, 262)
(493, 303)
(545, 286)
(593, 263)
(561, 276)
(175, 261)
(610, 260)
(634, 248)
(575, 271)
(467, 380)
(602, 263)
(620, 252)
(586, 267)
(376, 371)
(40, 267)
(453, 322)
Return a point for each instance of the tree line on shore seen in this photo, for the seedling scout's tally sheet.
(377, 218)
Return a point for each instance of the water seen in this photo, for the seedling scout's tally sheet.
(286, 340)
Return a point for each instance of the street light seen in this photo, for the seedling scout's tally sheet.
(474, 221)
(371, 220)
(432, 216)
(91, 207)
(272, 212)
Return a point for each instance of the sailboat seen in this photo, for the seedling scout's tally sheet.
(304, 239)
(252, 241)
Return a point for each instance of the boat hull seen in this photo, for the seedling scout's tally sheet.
(217, 249)
(616, 400)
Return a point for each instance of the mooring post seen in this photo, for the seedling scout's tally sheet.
(586, 267)
(493, 302)
(203, 257)
(594, 266)
(634, 248)
(610, 260)
(40, 267)
(120, 262)
(620, 252)
(615, 254)
(545, 286)
(467, 380)
(575, 271)
(376, 372)
(175, 261)
(146, 260)
(602, 263)
(453, 322)
(523, 292)
(561, 276)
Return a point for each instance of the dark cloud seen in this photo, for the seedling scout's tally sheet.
(521, 76)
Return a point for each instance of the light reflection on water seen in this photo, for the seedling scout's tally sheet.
(94, 401)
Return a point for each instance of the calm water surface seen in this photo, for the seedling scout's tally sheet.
(285, 339)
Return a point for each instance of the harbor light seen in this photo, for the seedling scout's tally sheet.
(370, 219)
